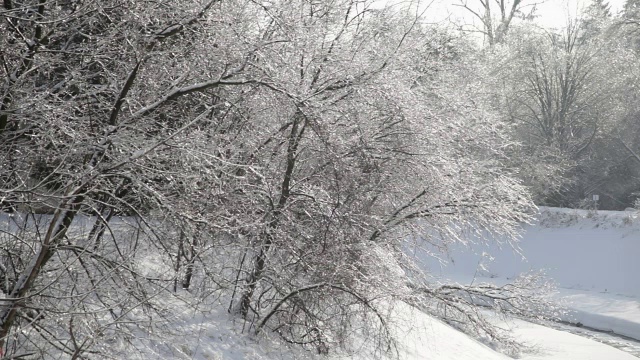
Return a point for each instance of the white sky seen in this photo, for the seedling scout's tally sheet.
(552, 13)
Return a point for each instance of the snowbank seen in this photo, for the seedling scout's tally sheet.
(424, 337)
(559, 345)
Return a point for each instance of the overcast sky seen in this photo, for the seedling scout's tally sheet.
(552, 13)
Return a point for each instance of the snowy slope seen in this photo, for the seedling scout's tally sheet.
(558, 345)
(604, 311)
(586, 254)
(216, 336)
(425, 338)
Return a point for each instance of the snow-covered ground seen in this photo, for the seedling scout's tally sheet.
(421, 337)
(591, 256)
(591, 251)
(424, 337)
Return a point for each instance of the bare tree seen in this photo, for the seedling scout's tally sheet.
(563, 92)
(90, 126)
(356, 158)
(496, 16)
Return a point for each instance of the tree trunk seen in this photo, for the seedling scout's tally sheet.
(260, 261)
(57, 230)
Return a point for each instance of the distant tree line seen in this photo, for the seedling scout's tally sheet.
(571, 98)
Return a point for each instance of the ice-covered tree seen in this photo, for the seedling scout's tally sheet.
(496, 16)
(280, 154)
(367, 147)
(99, 103)
(562, 92)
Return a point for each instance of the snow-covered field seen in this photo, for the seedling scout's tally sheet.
(581, 250)
(593, 258)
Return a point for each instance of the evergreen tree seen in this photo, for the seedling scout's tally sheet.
(631, 23)
(597, 18)
(631, 9)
